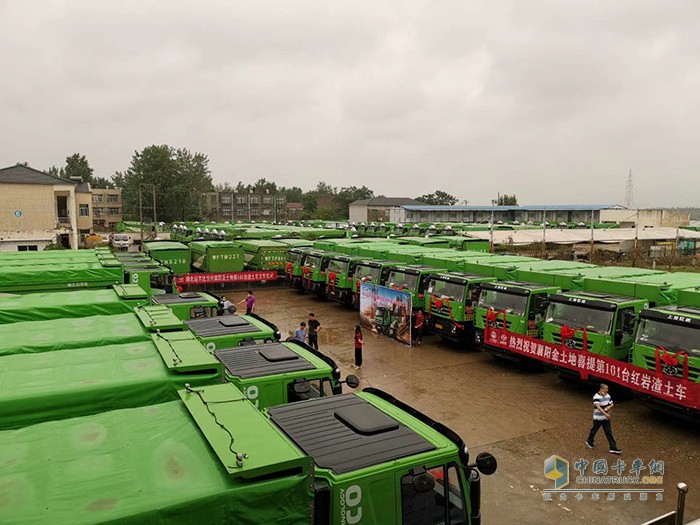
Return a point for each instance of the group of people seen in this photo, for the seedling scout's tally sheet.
(308, 332)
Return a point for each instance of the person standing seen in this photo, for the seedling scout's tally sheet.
(602, 406)
(314, 329)
(418, 328)
(249, 303)
(359, 343)
(300, 333)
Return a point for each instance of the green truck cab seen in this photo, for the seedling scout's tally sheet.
(229, 331)
(174, 255)
(339, 278)
(369, 271)
(191, 305)
(411, 278)
(293, 270)
(153, 278)
(609, 320)
(278, 373)
(450, 300)
(314, 268)
(119, 299)
(525, 305)
(386, 463)
(217, 256)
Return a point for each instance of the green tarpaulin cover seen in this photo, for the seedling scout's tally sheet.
(48, 276)
(140, 465)
(75, 303)
(83, 381)
(81, 332)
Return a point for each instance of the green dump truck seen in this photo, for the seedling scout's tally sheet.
(81, 381)
(120, 299)
(231, 331)
(224, 461)
(217, 256)
(277, 373)
(174, 255)
(450, 300)
(369, 271)
(413, 279)
(525, 305)
(81, 332)
(339, 283)
(293, 270)
(152, 277)
(313, 272)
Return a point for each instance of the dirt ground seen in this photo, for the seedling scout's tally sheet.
(519, 416)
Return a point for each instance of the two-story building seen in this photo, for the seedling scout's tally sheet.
(38, 209)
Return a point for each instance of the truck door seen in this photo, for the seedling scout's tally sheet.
(625, 323)
(433, 496)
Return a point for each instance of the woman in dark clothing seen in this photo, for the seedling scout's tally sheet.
(358, 346)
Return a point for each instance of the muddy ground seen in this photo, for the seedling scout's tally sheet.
(521, 417)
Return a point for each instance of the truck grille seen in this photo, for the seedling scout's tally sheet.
(578, 341)
(693, 371)
(499, 322)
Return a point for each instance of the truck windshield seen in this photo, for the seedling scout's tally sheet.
(336, 266)
(579, 316)
(503, 300)
(671, 336)
(293, 257)
(314, 261)
(121, 237)
(402, 280)
(454, 291)
(368, 272)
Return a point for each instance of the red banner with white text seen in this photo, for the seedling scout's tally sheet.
(656, 383)
(229, 277)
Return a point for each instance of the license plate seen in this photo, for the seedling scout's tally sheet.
(438, 326)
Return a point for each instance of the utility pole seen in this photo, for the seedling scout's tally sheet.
(155, 219)
(544, 232)
(493, 206)
(141, 215)
(636, 238)
(590, 257)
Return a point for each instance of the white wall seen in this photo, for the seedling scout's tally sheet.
(358, 213)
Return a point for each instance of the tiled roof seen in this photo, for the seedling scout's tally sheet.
(25, 175)
(385, 201)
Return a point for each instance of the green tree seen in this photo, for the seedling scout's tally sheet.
(77, 165)
(345, 196)
(102, 183)
(507, 200)
(439, 198)
(56, 172)
(179, 177)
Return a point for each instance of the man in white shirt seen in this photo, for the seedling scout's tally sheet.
(602, 405)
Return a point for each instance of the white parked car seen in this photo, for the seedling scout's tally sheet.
(120, 241)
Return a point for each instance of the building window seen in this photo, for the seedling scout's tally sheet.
(97, 198)
(267, 211)
(28, 248)
(267, 200)
(84, 210)
(280, 200)
(112, 198)
(240, 200)
(225, 199)
(254, 212)
(113, 211)
(240, 212)
(254, 199)
(226, 211)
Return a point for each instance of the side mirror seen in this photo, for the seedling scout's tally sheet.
(352, 381)
(485, 463)
(301, 386)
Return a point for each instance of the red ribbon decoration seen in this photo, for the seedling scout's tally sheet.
(671, 360)
(307, 273)
(289, 268)
(566, 332)
(439, 303)
(331, 279)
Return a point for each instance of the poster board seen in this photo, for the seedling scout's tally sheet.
(386, 311)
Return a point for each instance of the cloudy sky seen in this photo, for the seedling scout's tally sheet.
(554, 101)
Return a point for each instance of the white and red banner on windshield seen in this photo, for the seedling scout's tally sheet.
(656, 383)
(228, 277)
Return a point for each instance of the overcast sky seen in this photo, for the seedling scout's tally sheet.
(552, 100)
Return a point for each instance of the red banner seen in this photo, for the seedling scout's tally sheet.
(229, 277)
(651, 382)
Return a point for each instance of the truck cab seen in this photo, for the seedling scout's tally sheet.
(191, 305)
(294, 263)
(413, 279)
(314, 268)
(153, 278)
(230, 331)
(525, 307)
(666, 338)
(609, 321)
(368, 271)
(370, 479)
(339, 283)
(277, 373)
(450, 300)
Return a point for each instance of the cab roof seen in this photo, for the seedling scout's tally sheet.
(220, 326)
(183, 298)
(267, 359)
(348, 433)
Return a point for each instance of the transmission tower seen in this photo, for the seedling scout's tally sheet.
(629, 192)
